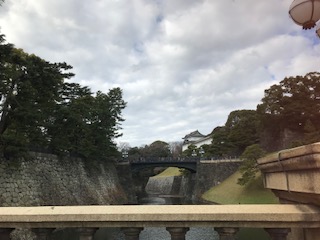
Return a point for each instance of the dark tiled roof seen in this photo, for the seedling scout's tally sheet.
(193, 134)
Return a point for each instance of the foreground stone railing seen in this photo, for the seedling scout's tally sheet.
(277, 220)
(293, 174)
(294, 177)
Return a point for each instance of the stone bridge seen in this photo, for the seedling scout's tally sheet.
(189, 163)
(186, 163)
(206, 173)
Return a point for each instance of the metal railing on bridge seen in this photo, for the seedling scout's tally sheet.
(176, 159)
(164, 159)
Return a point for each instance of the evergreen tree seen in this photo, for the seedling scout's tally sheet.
(28, 91)
(38, 109)
(248, 168)
(292, 104)
(242, 127)
(240, 131)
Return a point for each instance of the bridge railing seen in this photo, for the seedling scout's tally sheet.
(277, 220)
(163, 159)
(177, 159)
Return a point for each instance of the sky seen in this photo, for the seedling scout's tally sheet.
(183, 65)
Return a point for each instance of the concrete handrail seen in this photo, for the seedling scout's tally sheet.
(264, 216)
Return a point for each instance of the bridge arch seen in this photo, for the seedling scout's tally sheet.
(151, 162)
(192, 167)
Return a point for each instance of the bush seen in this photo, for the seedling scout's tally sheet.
(248, 168)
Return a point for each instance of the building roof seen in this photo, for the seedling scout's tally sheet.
(193, 134)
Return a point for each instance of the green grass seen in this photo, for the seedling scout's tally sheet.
(229, 192)
(169, 172)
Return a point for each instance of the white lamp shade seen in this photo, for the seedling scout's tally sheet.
(305, 12)
(318, 32)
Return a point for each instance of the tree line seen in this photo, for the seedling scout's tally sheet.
(41, 109)
(291, 107)
(288, 116)
(157, 149)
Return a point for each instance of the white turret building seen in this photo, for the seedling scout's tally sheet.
(195, 138)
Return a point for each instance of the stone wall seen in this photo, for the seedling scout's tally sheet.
(163, 185)
(192, 186)
(276, 140)
(126, 181)
(212, 173)
(172, 186)
(44, 179)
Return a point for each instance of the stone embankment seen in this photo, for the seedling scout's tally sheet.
(191, 186)
(180, 187)
(211, 173)
(44, 179)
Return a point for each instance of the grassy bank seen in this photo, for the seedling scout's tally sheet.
(229, 192)
(169, 172)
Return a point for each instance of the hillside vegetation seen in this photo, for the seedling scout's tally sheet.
(252, 193)
(229, 192)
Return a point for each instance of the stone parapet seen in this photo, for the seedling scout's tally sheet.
(293, 174)
(277, 220)
(265, 216)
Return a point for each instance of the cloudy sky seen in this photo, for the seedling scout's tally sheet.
(182, 64)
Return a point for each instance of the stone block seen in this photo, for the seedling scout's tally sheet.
(294, 174)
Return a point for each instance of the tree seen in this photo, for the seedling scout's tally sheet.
(38, 109)
(85, 124)
(123, 146)
(242, 128)
(68, 129)
(28, 91)
(291, 103)
(190, 151)
(134, 153)
(175, 148)
(106, 122)
(220, 145)
(240, 131)
(156, 149)
(248, 167)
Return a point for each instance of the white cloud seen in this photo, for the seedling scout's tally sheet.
(183, 64)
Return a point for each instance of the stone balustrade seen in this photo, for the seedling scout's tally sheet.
(277, 220)
(293, 174)
(294, 177)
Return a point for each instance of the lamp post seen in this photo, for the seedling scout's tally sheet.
(201, 151)
(305, 13)
(194, 153)
(125, 154)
